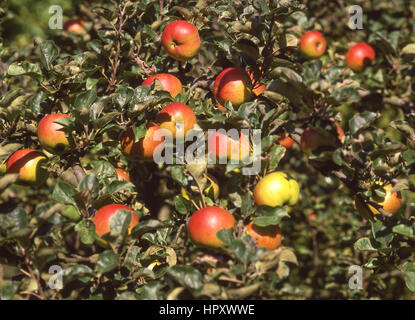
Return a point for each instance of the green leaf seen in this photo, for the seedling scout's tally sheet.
(178, 175)
(182, 205)
(85, 100)
(139, 132)
(403, 230)
(9, 290)
(225, 235)
(104, 120)
(107, 261)
(86, 231)
(408, 268)
(48, 53)
(277, 152)
(147, 226)
(364, 244)
(120, 221)
(24, 68)
(267, 216)
(241, 250)
(15, 220)
(187, 276)
(361, 121)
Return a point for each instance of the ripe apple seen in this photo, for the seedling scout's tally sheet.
(267, 237)
(285, 141)
(391, 203)
(122, 175)
(142, 149)
(169, 83)
(174, 112)
(359, 56)
(257, 86)
(28, 164)
(232, 84)
(74, 25)
(276, 189)
(206, 222)
(311, 139)
(181, 40)
(312, 45)
(223, 146)
(103, 217)
(50, 134)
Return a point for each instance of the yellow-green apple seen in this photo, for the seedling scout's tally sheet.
(168, 82)
(51, 135)
(204, 224)
(181, 40)
(74, 25)
(122, 175)
(276, 189)
(173, 113)
(267, 237)
(359, 56)
(142, 149)
(234, 85)
(311, 139)
(103, 216)
(28, 164)
(222, 146)
(312, 45)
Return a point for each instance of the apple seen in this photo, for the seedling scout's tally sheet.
(174, 112)
(359, 56)
(285, 141)
(312, 45)
(74, 25)
(391, 203)
(50, 134)
(267, 237)
(169, 83)
(142, 149)
(234, 85)
(276, 189)
(257, 86)
(122, 175)
(311, 139)
(206, 222)
(28, 164)
(222, 146)
(181, 40)
(103, 217)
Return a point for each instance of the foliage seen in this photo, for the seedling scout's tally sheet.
(96, 77)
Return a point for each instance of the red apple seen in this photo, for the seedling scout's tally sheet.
(27, 163)
(74, 25)
(312, 45)
(122, 175)
(174, 112)
(285, 141)
(232, 84)
(144, 148)
(311, 139)
(50, 134)
(223, 146)
(359, 56)
(206, 222)
(169, 83)
(181, 40)
(267, 237)
(103, 217)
